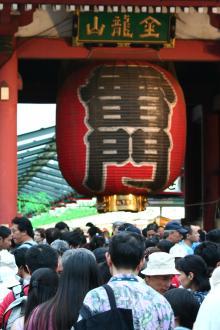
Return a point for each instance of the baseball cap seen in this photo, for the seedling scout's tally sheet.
(175, 225)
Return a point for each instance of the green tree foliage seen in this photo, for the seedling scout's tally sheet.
(30, 204)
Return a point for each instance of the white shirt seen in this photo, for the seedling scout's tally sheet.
(208, 317)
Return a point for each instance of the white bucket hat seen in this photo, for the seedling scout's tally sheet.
(8, 260)
(160, 263)
(8, 279)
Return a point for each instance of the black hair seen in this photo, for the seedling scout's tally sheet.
(4, 232)
(210, 252)
(189, 231)
(126, 250)
(144, 232)
(20, 256)
(124, 226)
(152, 226)
(97, 241)
(202, 235)
(196, 265)
(99, 254)
(74, 238)
(184, 305)
(52, 234)
(24, 224)
(92, 231)
(213, 235)
(43, 286)
(164, 245)
(90, 224)
(41, 256)
(104, 272)
(150, 242)
(80, 275)
(62, 225)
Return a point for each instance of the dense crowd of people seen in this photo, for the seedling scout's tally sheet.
(161, 277)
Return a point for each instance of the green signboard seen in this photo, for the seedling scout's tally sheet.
(125, 28)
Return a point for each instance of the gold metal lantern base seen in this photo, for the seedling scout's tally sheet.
(114, 203)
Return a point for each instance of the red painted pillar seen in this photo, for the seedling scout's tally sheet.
(8, 142)
(211, 176)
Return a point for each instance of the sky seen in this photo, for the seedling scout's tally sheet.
(31, 117)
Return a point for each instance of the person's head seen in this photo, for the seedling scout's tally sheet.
(159, 271)
(62, 226)
(126, 252)
(60, 246)
(39, 235)
(150, 231)
(80, 264)
(164, 245)
(150, 242)
(174, 231)
(52, 234)
(115, 226)
(184, 305)
(41, 256)
(193, 273)
(22, 230)
(100, 253)
(97, 241)
(202, 235)
(129, 227)
(192, 234)
(213, 235)
(75, 239)
(90, 224)
(92, 231)
(5, 238)
(20, 260)
(210, 252)
(43, 286)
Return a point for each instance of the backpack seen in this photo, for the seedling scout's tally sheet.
(113, 319)
(17, 307)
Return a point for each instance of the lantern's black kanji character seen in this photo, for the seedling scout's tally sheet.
(147, 147)
(132, 98)
(105, 148)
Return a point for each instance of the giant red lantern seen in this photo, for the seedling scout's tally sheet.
(120, 132)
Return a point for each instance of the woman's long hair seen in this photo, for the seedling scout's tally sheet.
(43, 286)
(80, 275)
(196, 265)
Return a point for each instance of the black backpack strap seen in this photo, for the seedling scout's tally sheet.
(85, 312)
(111, 296)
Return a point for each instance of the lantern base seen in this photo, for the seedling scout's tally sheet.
(113, 203)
